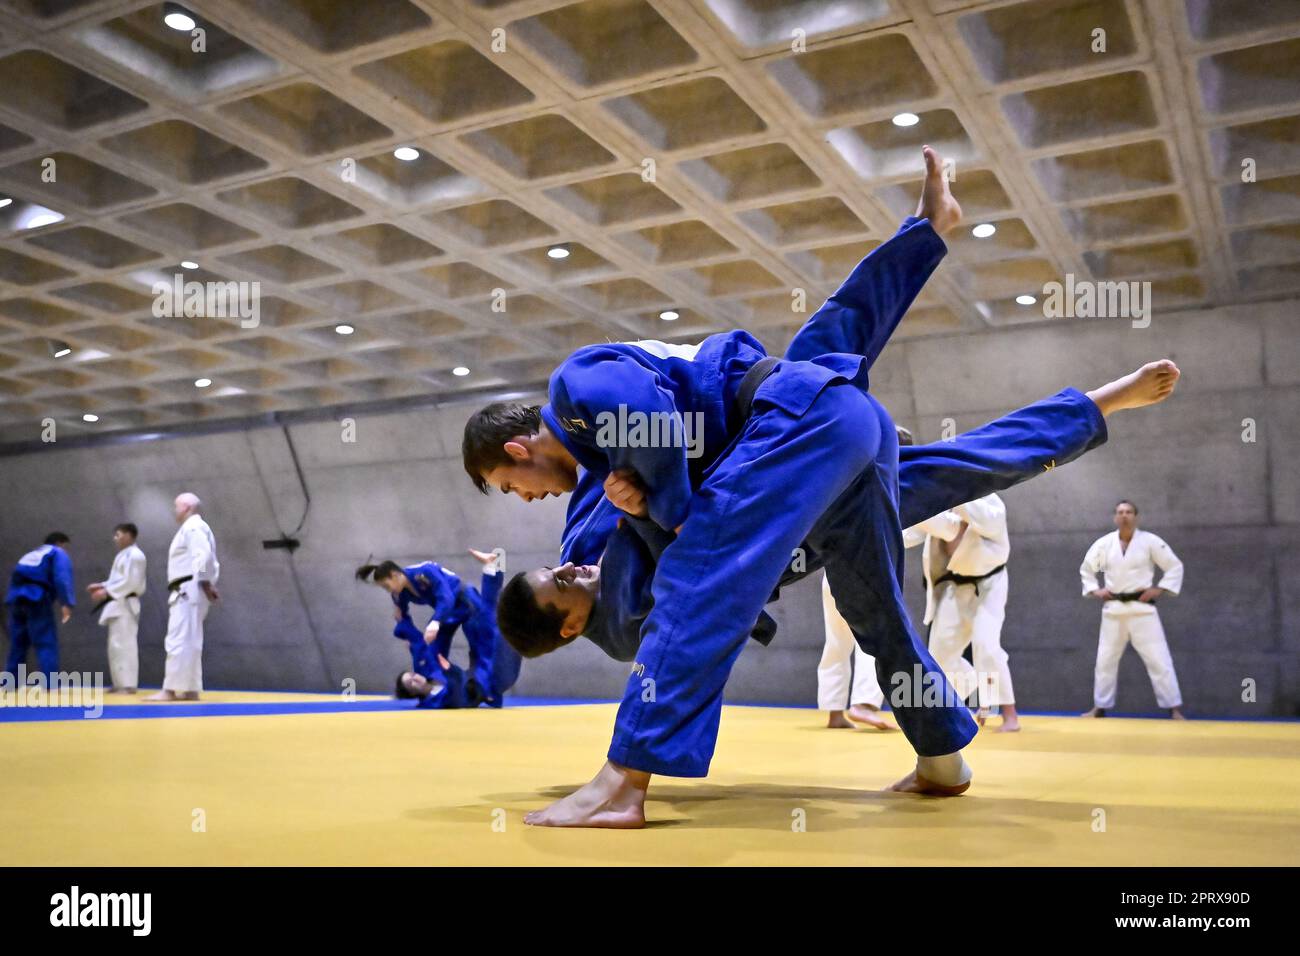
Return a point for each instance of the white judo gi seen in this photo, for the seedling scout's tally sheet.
(193, 554)
(1131, 571)
(841, 648)
(960, 614)
(121, 615)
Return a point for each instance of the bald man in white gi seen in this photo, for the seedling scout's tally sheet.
(1128, 557)
(192, 572)
(964, 558)
(119, 598)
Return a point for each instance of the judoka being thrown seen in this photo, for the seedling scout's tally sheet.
(793, 453)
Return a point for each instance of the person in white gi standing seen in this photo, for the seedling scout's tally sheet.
(119, 597)
(1128, 557)
(192, 572)
(964, 559)
(833, 681)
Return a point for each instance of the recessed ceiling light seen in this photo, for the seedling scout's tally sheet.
(42, 219)
(88, 417)
(460, 371)
(189, 264)
(984, 230)
(668, 315)
(61, 350)
(406, 153)
(4, 201)
(344, 329)
(1025, 300)
(179, 20)
(906, 119)
(202, 382)
(558, 252)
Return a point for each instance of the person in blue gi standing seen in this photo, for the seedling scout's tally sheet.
(41, 579)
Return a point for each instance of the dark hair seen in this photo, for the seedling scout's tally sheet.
(57, 537)
(904, 435)
(402, 692)
(1125, 501)
(528, 627)
(487, 432)
(129, 528)
(377, 572)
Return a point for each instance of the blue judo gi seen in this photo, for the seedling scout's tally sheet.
(815, 461)
(494, 664)
(931, 479)
(40, 578)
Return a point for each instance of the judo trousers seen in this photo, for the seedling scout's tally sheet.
(31, 625)
(828, 474)
(187, 609)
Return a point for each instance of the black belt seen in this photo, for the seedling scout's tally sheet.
(973, 579)
(1129, 596)
(107, 601)
(175, 585)
(744, 400)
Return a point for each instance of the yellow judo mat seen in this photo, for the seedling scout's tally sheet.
(402, 787)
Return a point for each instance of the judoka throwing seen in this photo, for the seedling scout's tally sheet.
(1128, 557)
(192, 572)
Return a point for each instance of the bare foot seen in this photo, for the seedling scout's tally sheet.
(614, 799)
(1009, 725)
(837, 721)
(937, 203)
(1152, 383)
(162, 695)
(492, 561)
(1095, 712)
(981, 715)
(870, 717)
(121, 690)
(1177, 714)
(915, 783)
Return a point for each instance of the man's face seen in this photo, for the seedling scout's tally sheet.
(417, 684)
(122, 539)
(531, 474)
(571, 588)
(1125, 516)
(181, 509)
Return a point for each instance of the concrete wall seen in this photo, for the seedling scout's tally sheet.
(1231, 509)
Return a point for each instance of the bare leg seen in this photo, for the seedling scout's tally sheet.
(614, 799)
(937, 203)
(1152, 383)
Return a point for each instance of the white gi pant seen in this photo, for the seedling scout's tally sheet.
(833, 672)
(187, 607)
(123, 651)
(962, 617)
(1141, 626)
